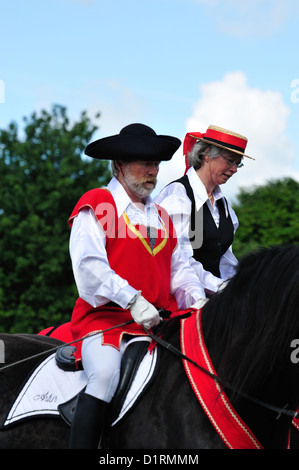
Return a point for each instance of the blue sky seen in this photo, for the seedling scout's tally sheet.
(175, 65)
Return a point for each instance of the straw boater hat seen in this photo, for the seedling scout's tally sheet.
(219, 137)
(134, 142)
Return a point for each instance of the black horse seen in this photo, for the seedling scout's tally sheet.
(248, 330)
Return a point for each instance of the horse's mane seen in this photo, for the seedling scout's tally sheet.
(248, 327)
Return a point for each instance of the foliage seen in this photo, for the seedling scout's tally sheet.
(268, 215)
(43, 175)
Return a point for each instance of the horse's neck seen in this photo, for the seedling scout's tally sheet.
(270, 432)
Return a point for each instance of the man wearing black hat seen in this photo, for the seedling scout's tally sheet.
(127, 266)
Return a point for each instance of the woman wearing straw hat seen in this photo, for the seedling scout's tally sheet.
(204, 220)
(127, 267)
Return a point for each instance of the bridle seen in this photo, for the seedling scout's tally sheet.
(55, 348)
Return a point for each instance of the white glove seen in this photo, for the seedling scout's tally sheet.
(144, 313)
(199, 303)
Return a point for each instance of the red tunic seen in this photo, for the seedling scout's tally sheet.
(131, 257)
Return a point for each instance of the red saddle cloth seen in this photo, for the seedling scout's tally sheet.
(229, 425)
(61, 332)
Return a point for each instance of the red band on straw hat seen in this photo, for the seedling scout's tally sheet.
(229, 139)
(217, 136)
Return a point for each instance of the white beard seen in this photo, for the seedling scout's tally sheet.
(137, 186)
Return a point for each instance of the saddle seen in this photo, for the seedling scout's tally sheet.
(131, 360)
(51, 389)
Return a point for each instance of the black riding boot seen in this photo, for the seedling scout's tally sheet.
(88, 422)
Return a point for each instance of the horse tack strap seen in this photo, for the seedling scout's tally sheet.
(231, 428)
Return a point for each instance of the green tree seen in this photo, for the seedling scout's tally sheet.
(43, 174)
(268, 215)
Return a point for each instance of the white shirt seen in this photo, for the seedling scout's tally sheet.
(96, 282)
(178, 205)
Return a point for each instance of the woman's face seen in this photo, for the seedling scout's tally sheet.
(222, 168)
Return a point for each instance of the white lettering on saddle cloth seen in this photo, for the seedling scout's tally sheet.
(48, 387)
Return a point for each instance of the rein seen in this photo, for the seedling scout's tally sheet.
(63, 345)
(178, 353)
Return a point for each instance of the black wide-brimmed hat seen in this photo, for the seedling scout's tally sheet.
(134, 142)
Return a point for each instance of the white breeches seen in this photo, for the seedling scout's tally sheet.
(102, 367)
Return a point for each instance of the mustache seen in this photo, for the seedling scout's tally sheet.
(152, 179)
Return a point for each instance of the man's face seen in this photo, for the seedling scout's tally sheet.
(140, 178)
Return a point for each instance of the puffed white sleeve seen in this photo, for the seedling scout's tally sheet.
(96, 282)
(178, 205)
(174, 200)
(184, 284)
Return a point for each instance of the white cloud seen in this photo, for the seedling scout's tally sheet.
(259, 115)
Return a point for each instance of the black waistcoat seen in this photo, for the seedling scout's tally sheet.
(212, 243)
